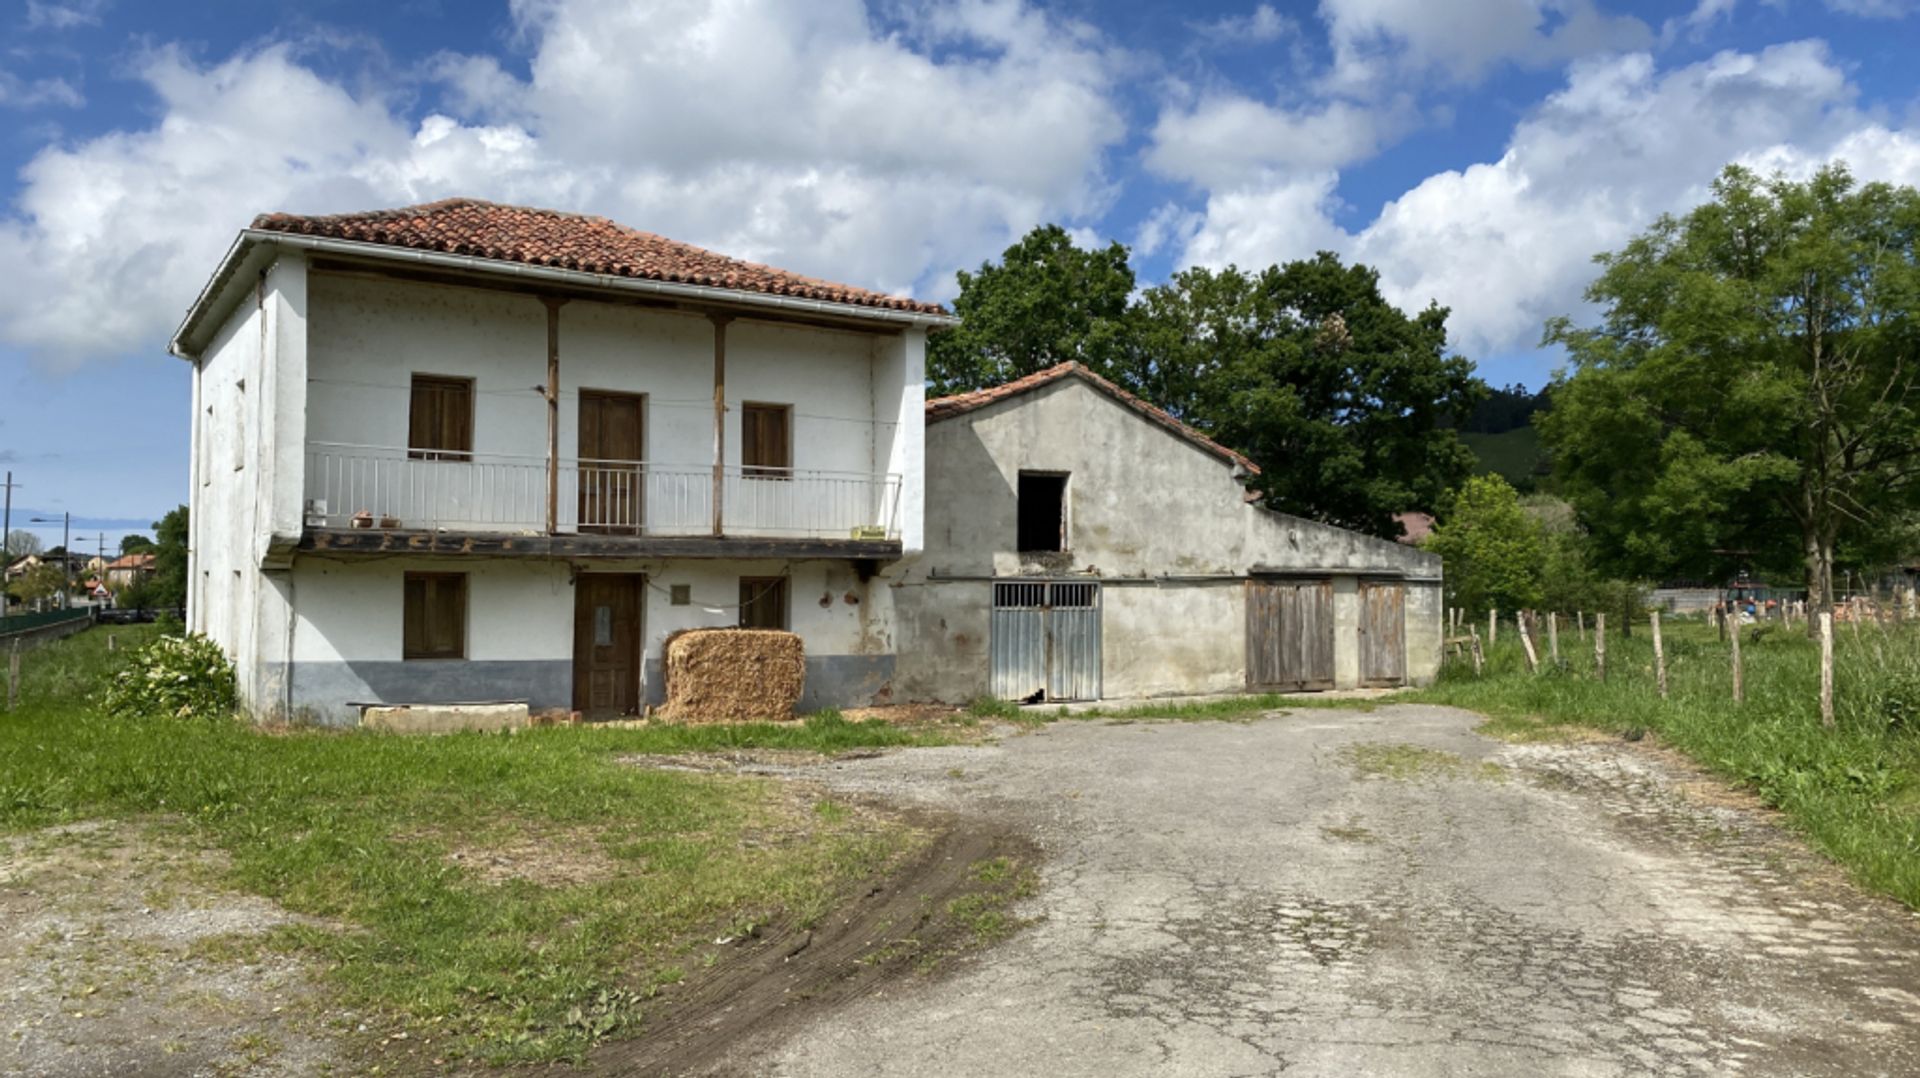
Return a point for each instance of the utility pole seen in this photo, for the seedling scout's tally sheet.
(66, 552)
(6, 527)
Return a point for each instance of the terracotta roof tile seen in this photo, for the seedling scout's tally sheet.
(960, 403)
(468, 226)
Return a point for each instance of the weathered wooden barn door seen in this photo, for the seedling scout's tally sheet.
(1383, 632)
(1289, 635)
(1044, 639)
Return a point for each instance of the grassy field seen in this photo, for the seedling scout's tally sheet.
(1853, 790)
(395, 846)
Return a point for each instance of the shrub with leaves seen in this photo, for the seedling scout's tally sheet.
(182, 677)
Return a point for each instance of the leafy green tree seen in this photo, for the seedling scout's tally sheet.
(1490, 547)
(1046, 302)
(1338, 395)
(168, 587)
(134, 543)
(1751, 393)
(40, 583)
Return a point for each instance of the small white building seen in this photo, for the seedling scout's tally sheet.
(1083, 544)
(464, 452)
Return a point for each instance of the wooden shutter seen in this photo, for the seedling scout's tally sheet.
(766, 446)
(440, 419)
(763, 602)
(434, 623)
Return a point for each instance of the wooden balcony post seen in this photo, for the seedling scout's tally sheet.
(553, 411)
(719, 419)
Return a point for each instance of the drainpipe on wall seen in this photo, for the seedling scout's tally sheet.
(719, 419)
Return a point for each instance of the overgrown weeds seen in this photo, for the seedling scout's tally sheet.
(1854, 789)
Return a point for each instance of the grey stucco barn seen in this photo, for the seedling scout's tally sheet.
(1083, 544)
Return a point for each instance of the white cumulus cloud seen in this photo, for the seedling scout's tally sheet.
(1508, 243)
(804, 135)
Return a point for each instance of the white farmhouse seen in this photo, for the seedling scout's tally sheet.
(464, 452)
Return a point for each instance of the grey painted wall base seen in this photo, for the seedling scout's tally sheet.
(325, 692)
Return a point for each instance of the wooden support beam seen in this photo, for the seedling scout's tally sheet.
(719, 421)
(349, 542)
(553, 305)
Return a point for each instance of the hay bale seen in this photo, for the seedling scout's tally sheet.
(733, 675)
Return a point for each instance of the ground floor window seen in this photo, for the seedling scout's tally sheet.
(763, 602)
(435, 622)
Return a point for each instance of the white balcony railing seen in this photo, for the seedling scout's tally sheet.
(383, 487)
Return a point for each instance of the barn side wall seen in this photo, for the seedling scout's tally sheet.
(1162, 523)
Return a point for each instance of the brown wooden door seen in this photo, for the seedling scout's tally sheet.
(1289, 635)
(612, 483)
(1383, 632)
(606, 644)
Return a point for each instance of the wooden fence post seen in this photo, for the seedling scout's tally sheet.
(1739, 684)
(1521, 623)
(13, 674)
(1600, 646)
(1826, 669)
(1580, 619)
(1659, 655)
(1474, 632)
(1553, 637)
(1493, 626)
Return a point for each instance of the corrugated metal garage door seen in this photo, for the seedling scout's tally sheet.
(1045, 635)
(1289, 635)
(1383, 632)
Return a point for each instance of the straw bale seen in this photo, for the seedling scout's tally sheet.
(733, 675)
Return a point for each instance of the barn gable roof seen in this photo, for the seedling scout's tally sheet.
(961, 403)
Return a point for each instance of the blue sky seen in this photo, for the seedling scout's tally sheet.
(1478, 152)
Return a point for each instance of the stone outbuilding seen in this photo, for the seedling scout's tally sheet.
(1083, 544)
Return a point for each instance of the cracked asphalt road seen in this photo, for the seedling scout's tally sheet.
(1384, 893)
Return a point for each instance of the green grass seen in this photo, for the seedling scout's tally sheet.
(360, 830)
(1514, 455)
(1853, 790)
(1407, 763)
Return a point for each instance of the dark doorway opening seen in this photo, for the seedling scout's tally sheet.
(1043, 512)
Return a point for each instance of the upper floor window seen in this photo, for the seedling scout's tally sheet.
(434, 625)
(440, 419)
(766, 440)
(1043, 512)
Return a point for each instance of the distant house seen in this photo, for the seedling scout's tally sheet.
(128, 569)
(1415, 527)
(1082, 544)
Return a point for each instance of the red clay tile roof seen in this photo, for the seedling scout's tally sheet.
(132, 561)
(469, 226)
(961, 403)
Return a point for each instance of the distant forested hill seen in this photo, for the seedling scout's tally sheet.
(1500, 432)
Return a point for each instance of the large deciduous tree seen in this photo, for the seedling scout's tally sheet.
(1338, 395)
(21, 543)
(1047, 302)
(1305, 368)
(1749, 393)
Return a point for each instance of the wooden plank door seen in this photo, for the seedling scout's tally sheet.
(1383, 632)
(612, 482)
(1289, 635)
(606, 644)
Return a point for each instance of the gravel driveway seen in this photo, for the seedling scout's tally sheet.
(1385, 893)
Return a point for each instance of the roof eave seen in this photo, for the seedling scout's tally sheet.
(212, 297)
